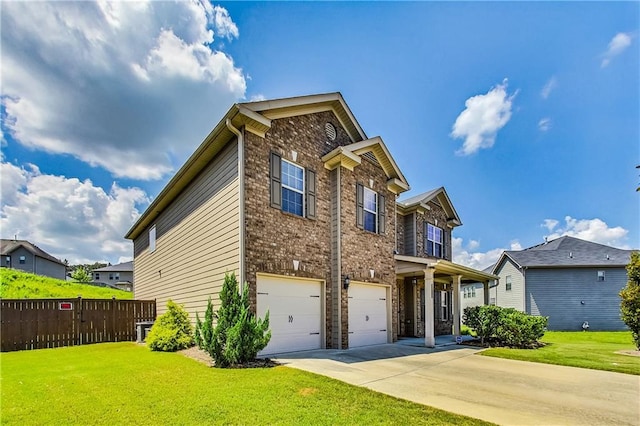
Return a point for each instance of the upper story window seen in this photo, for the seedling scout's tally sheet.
(435, 241)
(152, 239)
(370, 210)
(507, 283)
(23, 260)
(293, 188)
(600, 275)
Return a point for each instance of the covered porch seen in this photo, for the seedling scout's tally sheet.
(429, 296)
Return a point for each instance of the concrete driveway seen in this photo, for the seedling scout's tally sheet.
(502, 391)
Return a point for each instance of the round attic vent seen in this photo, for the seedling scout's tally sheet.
(330, 130)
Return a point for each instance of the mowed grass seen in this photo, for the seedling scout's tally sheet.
(591, 349)
(16, 284)
(125, 383)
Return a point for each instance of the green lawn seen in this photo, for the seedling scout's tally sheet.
(592, 349)
(16, 284)
(125, 383)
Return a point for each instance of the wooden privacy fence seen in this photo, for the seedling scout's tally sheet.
(50, 323)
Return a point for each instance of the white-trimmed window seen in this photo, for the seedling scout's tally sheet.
(117, 275)
(473, 292)
(111, 276)
(507, 283)
(370, 206)
(292, 188)
(444, 305)
(152, 239)
(434, 241)
(23, 260)
(600, 275)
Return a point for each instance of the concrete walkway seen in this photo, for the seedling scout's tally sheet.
(455, 379)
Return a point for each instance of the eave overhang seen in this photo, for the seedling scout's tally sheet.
(411, 265)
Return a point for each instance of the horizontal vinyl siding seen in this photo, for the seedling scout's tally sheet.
(197, 240)
(515, 297)
(558, 293)
(50, 269)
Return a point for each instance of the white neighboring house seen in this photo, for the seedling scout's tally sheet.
(119, 276)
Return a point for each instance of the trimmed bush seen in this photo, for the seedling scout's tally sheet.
(238, 335)
(630, 295)
(172, 331)
(497, 326)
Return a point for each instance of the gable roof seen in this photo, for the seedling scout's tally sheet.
(256, 118)
(420, 202)
(120, 267)
(9, 246)
(567, 252)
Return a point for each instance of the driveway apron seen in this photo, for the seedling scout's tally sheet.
(459, 380)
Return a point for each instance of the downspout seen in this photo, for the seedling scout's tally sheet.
(241, 228)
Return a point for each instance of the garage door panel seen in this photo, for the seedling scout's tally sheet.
(295, 313)
(367, 315)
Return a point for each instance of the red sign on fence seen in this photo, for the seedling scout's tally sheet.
(65, 306)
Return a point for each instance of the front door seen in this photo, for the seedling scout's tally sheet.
(409, 310)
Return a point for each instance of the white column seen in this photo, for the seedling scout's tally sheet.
(455, 303)
(429, 332)
(485, 287)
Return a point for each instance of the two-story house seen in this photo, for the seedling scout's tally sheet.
(292, 196)
(28, 257)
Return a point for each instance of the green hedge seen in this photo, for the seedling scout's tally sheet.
(172, 331)
(497, 326)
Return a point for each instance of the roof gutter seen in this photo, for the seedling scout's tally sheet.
(240, 136)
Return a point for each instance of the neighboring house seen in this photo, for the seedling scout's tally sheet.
(292, 196)
(120, 275)
(23, 255)
(570, 280)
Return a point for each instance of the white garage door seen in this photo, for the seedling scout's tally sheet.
(295, 313)
(367, 315)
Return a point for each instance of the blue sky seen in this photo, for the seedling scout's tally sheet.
(527, 113)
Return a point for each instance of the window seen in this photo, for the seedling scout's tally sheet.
(507, 283)
(434, 241)
(444, 305)
(464, 293)
(152, 239)
(23, 260)
(293, 188)
(600, 275)
(7, 259)
(97, 275)
(473, 292)
(492, 301)
(370, 210)
(117, 275)
(110, 276)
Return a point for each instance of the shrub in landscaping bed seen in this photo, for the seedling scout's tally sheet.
(497, 326)
(238, 335)
(172, 331)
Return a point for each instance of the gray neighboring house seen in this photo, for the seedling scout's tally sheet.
(120, 275)
(572, 281)
(28, 257)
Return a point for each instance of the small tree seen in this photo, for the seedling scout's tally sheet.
(238, 335)
(172, 331)
(630, 295)
(81, 274)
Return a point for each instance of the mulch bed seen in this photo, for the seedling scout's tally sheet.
(203, 357)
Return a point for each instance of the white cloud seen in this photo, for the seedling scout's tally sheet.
(549, 87)
(467, 256)
(68, 218)
(618, 44)
(595, 230)
(482, 118)
(127, 86)
(544, 124)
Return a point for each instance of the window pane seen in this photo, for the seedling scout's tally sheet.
(438, 250)
(370, 202)
(369, 221)
(291, 201)
(292, 176)
(437, 235)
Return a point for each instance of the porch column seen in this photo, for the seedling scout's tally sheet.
(457, 280)
(485, 287)
(429, 325)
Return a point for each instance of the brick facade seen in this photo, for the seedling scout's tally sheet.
(437, 217)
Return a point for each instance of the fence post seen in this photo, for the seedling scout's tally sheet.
(79, 321)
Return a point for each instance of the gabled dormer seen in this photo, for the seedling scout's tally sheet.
(425, 223)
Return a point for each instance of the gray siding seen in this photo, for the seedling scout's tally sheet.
(515, 297)
(410, 234)
(197, 240)
(37, 265)
(571, 296)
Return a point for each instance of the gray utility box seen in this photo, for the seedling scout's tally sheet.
(142, 329)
